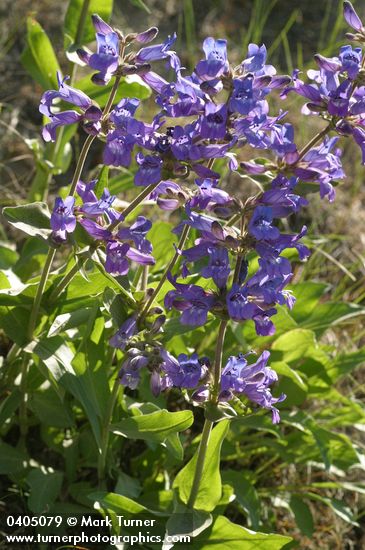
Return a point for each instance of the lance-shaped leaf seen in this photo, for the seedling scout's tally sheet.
(225, 534)
(157, 426)
(33, 218)
(38, 57)
(210, 487)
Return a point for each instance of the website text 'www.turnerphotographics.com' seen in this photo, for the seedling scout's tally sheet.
(86, 529)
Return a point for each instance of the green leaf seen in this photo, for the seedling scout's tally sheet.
(14, 322)
(50, 410)
(122, 505)
(45, 486)
(162, 240)
(245, 493)
(69, 320)
(39, 58)
(102, 182)
(174, 446)
(73, 15)
(210, 487)
(290, 383)
(224, 535)
(185, 521)
(33, 218)
(11, 460)
(303, 515)
(9, 405)
(128, 486)
(124, 181)
(330, 314)
(335, 448)
(31, 258)
(308, 295)
(156, 426)
(66, 370)
(295, 344)
(8, 255)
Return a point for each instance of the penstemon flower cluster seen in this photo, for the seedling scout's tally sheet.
(212, 113)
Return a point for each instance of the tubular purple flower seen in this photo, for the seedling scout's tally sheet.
(63, 220)
(213, 123)
(150, 170)
(216, 62)
(157, 52)
(124, 333)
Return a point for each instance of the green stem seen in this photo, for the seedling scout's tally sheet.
(144, 280)
(40, 290)
(23, 424)
(169, 267)
(80, 163)
(218, 362)
(208, 424)
(202, 451)
(132, 206)
(111, 98)
(105, 432)
(313, 141)
(127, 297)
(66, 279)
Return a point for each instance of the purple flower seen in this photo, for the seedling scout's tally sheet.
(86, 191)
(102, 206)
(260, 225)
(124, 333)
(239, 306)
(192, 300)
(216, 62)
(175, 195)
(218, 267)
(123, 112)
(243, 98)
(282, 142)
(186, 372)
(255, 61)
(137, 234)
(129, 373)
(91, 114)
(66, 93)
(351, 60)
(106, 59)
(118, 149)
(149, 171)
(280, 197)
(95, 230)
(213, 124)
(157, 52)
(118, 254)
(323, 165)
(147, 36)
(63, 220)
(116, 261)
(253, 380)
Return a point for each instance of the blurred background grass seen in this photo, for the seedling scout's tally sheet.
(292, 31)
